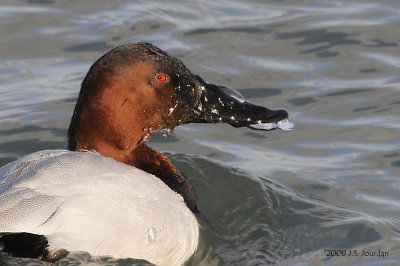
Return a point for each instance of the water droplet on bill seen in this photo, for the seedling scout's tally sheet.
(166, 132)
(232, 93)
(151, 234)
(284, 124)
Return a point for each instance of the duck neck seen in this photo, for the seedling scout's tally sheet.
(158, 164)
(150, 161)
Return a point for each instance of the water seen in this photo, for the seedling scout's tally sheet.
(278, 197)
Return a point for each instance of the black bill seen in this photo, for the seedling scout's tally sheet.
(219, 104)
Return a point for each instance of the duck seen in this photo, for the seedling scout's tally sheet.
(109, 193)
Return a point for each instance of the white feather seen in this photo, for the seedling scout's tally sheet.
(82, 201)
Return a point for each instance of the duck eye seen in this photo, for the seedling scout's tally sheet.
(161, 77)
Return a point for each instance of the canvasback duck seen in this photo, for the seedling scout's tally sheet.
(109, 193)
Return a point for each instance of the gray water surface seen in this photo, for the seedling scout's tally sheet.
(279, 197)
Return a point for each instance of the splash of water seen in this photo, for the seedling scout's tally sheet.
(166, 132)
(285, 124)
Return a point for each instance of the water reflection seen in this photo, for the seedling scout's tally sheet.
(278, 64)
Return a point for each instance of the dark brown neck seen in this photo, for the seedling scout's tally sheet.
(158, 164)
(152, 162)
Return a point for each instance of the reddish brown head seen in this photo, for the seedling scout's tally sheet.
(129, 93)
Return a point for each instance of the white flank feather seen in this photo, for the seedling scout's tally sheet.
(82, 201)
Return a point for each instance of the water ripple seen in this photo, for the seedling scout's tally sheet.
(321, 85)
(7, 11)
(387, 121)
(387, 59)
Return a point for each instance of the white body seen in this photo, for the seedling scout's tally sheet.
(82, 201)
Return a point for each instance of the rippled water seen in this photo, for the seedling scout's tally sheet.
(270, 197)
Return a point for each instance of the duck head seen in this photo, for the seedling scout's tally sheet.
(137, 89)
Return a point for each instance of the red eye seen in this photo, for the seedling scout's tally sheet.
(161, 77)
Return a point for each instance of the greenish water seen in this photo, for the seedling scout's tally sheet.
(312, 196)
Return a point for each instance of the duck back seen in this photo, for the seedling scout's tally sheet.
(82, 201)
